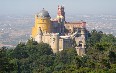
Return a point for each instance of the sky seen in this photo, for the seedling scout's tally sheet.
(71, 6)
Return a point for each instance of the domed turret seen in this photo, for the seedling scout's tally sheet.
(42, 21)
(43, 13)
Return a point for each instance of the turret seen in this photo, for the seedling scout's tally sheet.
(55, 42)
(38, 38)
(83, 36)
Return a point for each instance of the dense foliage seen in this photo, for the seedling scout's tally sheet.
(38, 58)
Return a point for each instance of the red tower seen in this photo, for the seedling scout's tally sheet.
(61, 13)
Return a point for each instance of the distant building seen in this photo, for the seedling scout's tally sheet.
(58, 33)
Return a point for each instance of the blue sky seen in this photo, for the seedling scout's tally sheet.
(71, 6)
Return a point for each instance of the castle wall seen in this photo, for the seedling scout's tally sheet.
(64, 44)
(67, 43)
(46, 38)
(52, 39)
(38, 38)
(61, 43)
(55, 42)
(72, 25)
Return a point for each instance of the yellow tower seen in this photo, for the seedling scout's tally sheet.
(42, 21)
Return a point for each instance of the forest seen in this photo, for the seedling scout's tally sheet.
(38, 58)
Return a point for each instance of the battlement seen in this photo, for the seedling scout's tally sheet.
(79, 24)
(50, 34)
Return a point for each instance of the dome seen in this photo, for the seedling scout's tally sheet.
(43, 13)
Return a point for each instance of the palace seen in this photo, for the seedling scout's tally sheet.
(59, 33)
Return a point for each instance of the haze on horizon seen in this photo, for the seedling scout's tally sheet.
(71, 6)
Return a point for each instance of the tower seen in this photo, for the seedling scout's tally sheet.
(42, 21)
(61, 18)
(38, 38)
(83, 41)
(55, 42)
(61, 13)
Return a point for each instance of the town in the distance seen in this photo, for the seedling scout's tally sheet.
(57, 42)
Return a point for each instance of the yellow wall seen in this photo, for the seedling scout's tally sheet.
(59, 16)
(43, 23)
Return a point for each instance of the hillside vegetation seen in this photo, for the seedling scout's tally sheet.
(38, 58)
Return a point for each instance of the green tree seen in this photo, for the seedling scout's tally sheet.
(5, 64)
